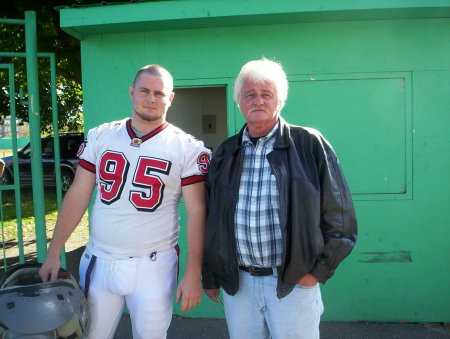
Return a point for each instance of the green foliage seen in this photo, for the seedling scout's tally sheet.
(50, 39)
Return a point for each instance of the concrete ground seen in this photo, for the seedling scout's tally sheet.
(189, 328)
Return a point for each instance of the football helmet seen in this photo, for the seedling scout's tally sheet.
(32, 309)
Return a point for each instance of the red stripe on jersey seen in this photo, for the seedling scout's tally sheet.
(147, 136)
(87, 165)
(130, 131)
(155, 131)
(192, 180)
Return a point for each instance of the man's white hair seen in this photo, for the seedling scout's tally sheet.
(259, 71)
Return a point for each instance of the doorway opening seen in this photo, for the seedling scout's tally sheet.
(201, 112)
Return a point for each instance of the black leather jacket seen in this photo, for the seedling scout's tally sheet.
(317, 217)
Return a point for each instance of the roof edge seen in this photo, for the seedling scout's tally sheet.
(177, 14)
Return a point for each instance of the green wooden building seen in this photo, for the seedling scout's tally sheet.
(373, 76)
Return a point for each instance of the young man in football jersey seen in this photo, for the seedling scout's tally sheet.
(142, 166)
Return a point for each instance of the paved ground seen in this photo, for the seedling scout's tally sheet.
(188, 328)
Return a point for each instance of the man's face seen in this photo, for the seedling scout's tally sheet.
(151, 98)
(259, 103)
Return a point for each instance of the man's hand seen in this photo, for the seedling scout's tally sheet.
(189, 291)
(49, 269)
(308, 281)
(213, 294)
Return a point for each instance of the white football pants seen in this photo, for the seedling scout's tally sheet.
(146, 284)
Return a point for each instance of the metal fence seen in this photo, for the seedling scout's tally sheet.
(31, 55)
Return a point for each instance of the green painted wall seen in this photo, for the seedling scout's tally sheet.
(377, 89)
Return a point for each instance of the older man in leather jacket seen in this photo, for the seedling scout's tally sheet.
(280, 216)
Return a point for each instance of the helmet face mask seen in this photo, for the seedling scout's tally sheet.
(32, 308)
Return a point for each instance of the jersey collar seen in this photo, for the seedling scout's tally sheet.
(146, 136)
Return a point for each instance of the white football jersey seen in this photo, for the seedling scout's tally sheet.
(139, 184)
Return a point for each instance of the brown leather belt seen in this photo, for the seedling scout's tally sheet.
(258, 271)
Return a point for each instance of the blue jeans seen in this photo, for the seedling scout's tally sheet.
(256, 312)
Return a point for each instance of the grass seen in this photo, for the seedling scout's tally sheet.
(9, 218)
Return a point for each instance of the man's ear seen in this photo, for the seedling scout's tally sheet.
(172, 95)
(131, 91)
(280, 106)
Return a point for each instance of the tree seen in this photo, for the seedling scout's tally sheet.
(50, 39)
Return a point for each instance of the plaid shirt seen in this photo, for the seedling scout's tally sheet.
(257, 217)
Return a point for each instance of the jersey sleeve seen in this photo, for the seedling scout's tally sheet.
(196, 163)
(87, 154)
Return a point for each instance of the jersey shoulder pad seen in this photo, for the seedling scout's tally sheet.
(186, 137)
(109, 126)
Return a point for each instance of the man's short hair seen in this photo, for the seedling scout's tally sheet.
(157, 71)
(260, 71)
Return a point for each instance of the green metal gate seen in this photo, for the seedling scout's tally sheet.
(31, 55)
(16, 187)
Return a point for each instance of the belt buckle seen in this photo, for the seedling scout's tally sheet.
(253, 270)
(250, 270)
(260, 271)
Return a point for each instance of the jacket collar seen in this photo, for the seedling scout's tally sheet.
(283, 135)
(281, 141)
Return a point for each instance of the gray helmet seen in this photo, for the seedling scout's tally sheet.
(30, 308)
